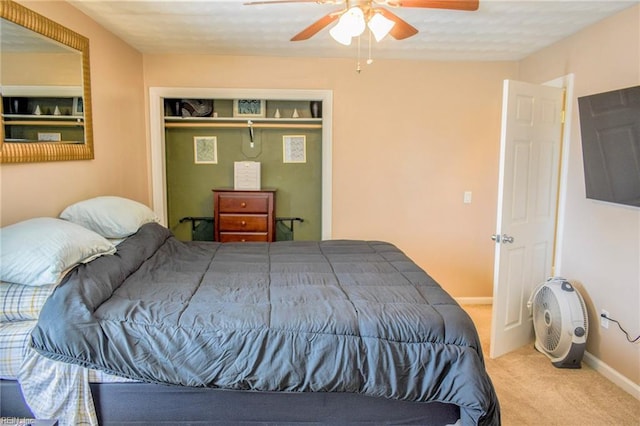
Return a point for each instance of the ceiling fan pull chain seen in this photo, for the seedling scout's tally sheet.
(358, 68)
(369, 59)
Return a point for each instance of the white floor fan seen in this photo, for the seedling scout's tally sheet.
(560, 322)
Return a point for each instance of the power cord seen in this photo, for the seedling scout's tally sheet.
(623, 330)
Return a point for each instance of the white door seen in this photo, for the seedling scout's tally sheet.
(527, 204)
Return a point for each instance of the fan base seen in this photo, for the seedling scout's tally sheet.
(573, 358)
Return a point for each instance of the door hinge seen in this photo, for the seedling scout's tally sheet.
(563, 116)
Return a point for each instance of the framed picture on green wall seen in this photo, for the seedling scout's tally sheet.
(294, 149)
(205, 149)
(249, 108)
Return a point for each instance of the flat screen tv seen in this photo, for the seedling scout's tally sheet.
(610, 127)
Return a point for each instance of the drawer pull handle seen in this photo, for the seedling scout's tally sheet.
(243, 204)
(243, 240)
(243, 223)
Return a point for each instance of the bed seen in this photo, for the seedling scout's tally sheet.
(330, 332)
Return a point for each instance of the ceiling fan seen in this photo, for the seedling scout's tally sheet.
(355, 14)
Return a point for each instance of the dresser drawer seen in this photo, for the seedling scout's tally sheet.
(243, 203)
(229, 237)
(244, 223)
(244, 215)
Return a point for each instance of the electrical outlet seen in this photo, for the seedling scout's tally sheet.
(604, 322)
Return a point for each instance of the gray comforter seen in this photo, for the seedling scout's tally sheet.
(330, 316)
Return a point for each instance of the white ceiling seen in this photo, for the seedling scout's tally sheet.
(498, 30)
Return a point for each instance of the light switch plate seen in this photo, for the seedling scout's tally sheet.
(467, 197)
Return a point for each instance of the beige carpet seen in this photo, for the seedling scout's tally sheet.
(534, 392)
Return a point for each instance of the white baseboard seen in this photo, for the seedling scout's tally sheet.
(474, 300)
(618, 379)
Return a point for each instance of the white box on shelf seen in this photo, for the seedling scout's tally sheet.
(246, 175)
(49, 137)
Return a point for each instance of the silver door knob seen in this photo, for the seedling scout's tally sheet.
(504, 238)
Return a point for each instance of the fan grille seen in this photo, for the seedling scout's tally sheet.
(547, 318)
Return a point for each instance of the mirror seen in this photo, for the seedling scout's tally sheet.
(46, 110)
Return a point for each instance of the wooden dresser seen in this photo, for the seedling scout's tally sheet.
(244, 215)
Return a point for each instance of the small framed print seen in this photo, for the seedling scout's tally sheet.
(294, 149)
(205, 149)
(78, 106)
(249, 108)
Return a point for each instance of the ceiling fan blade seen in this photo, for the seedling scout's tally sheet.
(314, 28)
(251, 3)
(402, 29)
(437, 4)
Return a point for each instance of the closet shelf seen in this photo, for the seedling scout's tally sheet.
(57, 123)
(262, 124)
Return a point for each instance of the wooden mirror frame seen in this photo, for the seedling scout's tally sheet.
(35, 151)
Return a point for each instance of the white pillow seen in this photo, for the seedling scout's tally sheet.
(40, 251)
(109, 216)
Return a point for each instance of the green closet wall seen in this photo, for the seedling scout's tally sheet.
(189, 185)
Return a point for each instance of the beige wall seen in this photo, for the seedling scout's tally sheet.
(409, 138)
(120, 165)
(601, 242)
(41, 69)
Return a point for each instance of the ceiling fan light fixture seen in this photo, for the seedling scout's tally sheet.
(352, 21)
(340, 34)
(380, 26)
